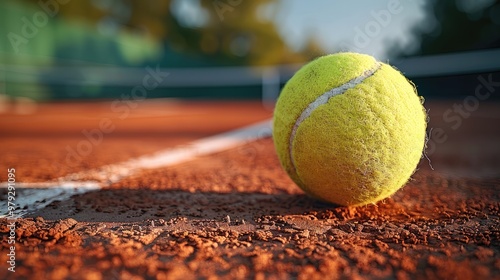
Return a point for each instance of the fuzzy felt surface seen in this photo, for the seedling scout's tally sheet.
(362, 137)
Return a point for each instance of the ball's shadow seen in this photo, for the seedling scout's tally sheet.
(133, 205)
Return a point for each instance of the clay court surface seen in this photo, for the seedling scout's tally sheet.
(235, 214)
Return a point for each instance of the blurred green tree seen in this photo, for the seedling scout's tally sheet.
(228, 32)
(453, 26)
(235, 31)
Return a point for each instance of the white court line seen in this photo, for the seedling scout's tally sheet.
(115, 172)
(35, 196)
(30, 199)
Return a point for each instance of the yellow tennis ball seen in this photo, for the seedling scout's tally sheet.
(348, 129)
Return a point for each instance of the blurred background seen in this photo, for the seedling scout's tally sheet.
(233, 49)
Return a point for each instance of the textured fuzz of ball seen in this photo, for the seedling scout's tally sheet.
(348, 129)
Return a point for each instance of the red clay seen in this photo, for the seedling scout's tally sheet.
(64, 138)
(237, 215)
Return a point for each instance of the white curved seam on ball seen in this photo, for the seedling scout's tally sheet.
(323, 99)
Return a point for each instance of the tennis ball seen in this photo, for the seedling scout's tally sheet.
(349, 130)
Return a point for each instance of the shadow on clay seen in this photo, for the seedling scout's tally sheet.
(134, 205)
